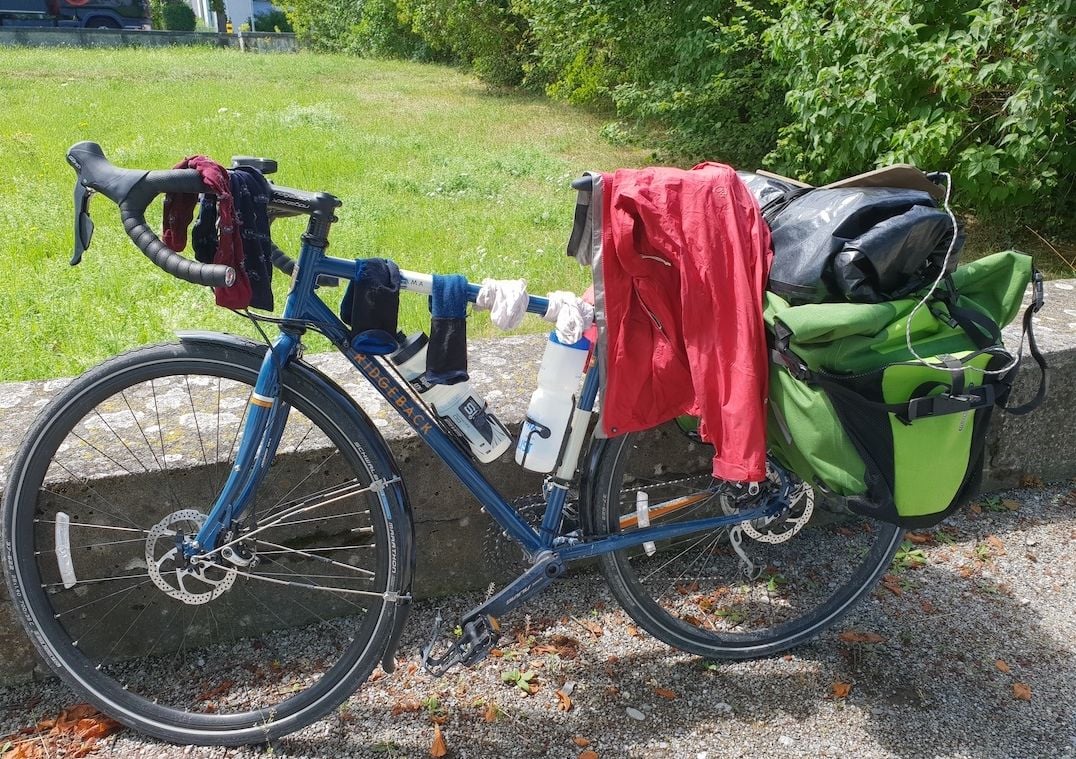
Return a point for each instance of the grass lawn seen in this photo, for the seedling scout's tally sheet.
(434, 170)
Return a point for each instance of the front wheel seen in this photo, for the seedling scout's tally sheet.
(726, 594)
(269, 636)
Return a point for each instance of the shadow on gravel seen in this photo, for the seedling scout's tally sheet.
(979, 617)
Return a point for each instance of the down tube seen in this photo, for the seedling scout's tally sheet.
(460, 464)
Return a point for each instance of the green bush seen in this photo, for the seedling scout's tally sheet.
(273, 21)
(172, 15)
(381, 32)
(324, 24)
(700, 78)
(488, 35)
(982, 87)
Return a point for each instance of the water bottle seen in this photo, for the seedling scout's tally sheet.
(458, 406)
(552, 404)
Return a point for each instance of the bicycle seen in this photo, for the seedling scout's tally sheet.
(286, 578)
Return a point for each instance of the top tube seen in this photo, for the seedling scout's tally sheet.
(415, 282)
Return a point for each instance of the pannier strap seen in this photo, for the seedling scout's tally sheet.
(1036, 303)
(916, 408)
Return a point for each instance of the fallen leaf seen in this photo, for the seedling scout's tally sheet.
(997, 544)
(1030, 481)
(975, 508)
(439, 719)
(580, 741)
(1021, 691)
(665, 693)
(855, 636)
(892, 584)
(544, 648)
(692, 620)
(564, 701)
(611, 691)
(594, 628)
(567, 647)
(406, 707)
(496, 652)
(376, 675)
(74, 732)
(438, 749)
(588, 754)
(1011, 503)
(927, 607)
(213, 693)
(489, 714)
(633, 631)
(920, 538)
(1003, 666)
(841, 689)
(687, 587)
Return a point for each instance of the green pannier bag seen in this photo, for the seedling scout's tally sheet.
(896, 437)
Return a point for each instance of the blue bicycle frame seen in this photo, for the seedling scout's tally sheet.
(267, 416)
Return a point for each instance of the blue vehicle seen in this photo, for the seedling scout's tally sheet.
(87, 14)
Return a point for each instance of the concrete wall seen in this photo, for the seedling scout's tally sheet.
(262, 42)
(448, 522)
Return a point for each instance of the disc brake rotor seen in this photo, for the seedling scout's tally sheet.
(190, 583)
(789, 521)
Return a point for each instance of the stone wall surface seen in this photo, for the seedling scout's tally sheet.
(29, 36)
(453, 535)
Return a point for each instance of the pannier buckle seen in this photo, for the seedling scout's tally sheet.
(939, 405)
(1038, 296)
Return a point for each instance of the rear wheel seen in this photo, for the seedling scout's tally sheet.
(803, 570)
(255, 643)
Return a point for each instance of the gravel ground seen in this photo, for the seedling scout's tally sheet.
(992, 610)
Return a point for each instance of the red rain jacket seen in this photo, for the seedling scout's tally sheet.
(685, 257)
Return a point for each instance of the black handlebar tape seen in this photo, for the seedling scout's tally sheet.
(132, 213)
(133, 190)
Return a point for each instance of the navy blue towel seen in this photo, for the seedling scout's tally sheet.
(446, 356)
(371, 306)
(250, 192)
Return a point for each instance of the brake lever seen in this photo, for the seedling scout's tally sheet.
(83, 222)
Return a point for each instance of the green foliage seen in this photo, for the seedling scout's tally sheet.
(486, 34)
(982, 87)
(383, 33)
(700, 77)
(173, 15)
(273, 21)
(326, 25)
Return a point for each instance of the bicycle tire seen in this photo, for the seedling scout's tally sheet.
(267, 641)
(711, 615)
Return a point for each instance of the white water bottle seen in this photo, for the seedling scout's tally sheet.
(552, 404)
(458, 406)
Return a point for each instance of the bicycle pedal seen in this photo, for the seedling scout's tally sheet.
(477, 639)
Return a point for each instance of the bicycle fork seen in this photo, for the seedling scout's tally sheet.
(266, 416)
